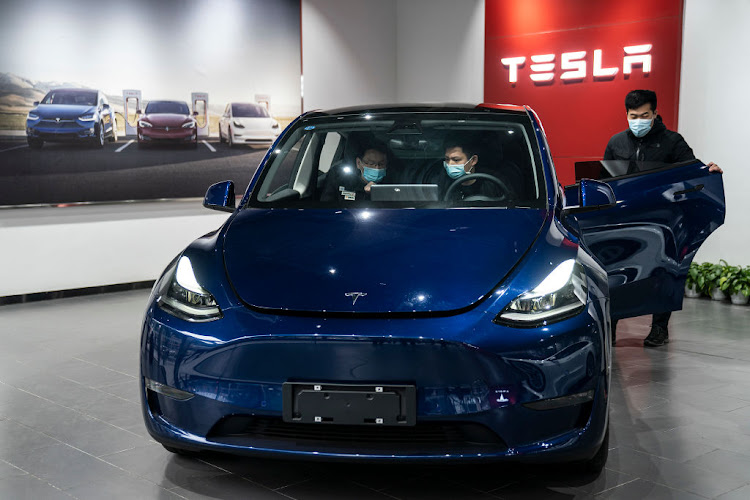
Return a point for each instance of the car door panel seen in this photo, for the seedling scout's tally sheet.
(647, 241)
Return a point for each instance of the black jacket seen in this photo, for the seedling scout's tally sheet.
(660, 144)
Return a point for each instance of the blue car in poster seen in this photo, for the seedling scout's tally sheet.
(446, 309)
(71, 114)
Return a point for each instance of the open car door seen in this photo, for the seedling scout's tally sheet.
(647, 241)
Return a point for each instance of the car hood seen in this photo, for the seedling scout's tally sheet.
(166, 119)
(66, 111)
(377, 261)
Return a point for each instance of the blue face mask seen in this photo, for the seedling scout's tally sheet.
(640, 126)
(373, 174)
(455, 171)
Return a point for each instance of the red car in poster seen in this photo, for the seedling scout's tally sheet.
(167, 122)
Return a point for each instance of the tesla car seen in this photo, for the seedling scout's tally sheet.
(426, 319)
(69, 114)
(247, 123)
(167, 122)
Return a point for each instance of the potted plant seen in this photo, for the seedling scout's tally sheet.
(694, 281)
(735, 282)
(712, 277)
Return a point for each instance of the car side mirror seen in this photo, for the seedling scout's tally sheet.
(588, 194)
(220, 196)
(195, 113)
(138, 112)
(105, 106)
(36, 103)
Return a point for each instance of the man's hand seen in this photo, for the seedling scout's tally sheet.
(369, 185)
(713, 167)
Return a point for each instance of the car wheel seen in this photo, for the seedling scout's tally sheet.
(99, 131)
(35, 143)
(194, 144)
(113, 137)
(181, 451)
(221, 137)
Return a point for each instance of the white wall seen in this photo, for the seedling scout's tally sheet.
(714, 107)
(47, 248)
(440, 54)
(348, 52)
(390, 51)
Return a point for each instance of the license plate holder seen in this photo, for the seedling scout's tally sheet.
(349, 404)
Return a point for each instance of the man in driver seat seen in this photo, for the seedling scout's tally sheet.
(462, 159)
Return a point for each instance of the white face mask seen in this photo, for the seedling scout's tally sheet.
(640, 126)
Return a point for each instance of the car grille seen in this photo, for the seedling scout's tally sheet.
(423, 438)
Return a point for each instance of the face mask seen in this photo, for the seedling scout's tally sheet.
(640, 126)
(455, 171)
(373, 174)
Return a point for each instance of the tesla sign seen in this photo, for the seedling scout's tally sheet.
(573, 66)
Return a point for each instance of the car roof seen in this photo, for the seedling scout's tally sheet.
(167, 100)
(420, 108)
(72, 89)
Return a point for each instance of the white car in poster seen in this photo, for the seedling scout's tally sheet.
(247, 123)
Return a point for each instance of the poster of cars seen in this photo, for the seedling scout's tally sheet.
(105, 101)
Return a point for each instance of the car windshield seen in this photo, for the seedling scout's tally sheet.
(243, 110)
(173, 107)
(74, 98)
(405, 160)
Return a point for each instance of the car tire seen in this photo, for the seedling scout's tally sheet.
(229, 137)
(35, 143)
(99, 131)
(113, 137)
(181, 451)
(221, 137)
(194, 143)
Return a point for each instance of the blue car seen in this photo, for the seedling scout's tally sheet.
(65, 115)
(411, 283)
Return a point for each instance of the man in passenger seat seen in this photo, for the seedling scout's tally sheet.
(352, 182)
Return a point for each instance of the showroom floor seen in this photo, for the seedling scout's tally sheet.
(70, 421)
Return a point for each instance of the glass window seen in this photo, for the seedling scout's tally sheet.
(172, 107)
(399, 160)
(71, 97)
(248, 110)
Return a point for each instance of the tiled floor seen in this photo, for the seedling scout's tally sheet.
(70, 421)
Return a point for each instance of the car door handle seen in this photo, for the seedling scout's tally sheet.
(686, 191)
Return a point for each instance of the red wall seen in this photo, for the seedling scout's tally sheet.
(580, 115)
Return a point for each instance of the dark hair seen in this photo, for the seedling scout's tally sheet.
(637, 98)
(467, 145)
(368, 144)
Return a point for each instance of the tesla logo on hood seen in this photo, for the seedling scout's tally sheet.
(355, 295)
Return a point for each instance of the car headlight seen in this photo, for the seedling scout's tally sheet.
(185, 298)
(560, 295)
(238, 124)
(144, 123)
(32, 117)
(87, 118)
(188, 125)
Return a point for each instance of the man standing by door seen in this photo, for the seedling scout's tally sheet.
(648, 139)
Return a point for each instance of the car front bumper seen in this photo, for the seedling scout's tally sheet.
(173, 134)
(471, 403)
(64, 130)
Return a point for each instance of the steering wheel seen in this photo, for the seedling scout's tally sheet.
(487, 177)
